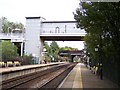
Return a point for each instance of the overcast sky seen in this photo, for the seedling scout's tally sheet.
(17, 10)
(52, 10)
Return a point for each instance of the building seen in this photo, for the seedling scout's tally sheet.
(38, 31)
(16, 37)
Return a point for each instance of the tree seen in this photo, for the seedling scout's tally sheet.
(9, 51)
(54, 49)
(27, 60)
(8, 26)
(48, 52)
(101, 21)
(68, 48)
(51, 51)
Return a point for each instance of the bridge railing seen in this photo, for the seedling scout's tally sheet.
(12, 36)
(65, 32)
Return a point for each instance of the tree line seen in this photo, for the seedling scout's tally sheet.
(101, 21)
(8, 26)
(53, 50)
(9, 53)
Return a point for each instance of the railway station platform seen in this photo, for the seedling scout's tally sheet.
(81, 77)
(18, 68)
(12, 72)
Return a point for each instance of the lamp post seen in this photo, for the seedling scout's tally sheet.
(98, 49)
(100, 55)
(34, 58)
(45, 51)
(85, 59)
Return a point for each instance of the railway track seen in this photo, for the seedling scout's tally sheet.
(18, 80)
(46, 78)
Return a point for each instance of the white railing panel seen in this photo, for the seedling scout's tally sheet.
(12, 36)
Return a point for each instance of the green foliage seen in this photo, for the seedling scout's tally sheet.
(8, 26)
(48, 54)
(53, 50)
(27, 60)
(9, 51)
(68, 48)
(101, 21)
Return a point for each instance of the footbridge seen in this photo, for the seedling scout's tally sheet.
(71, 53)
(38, 31)
(61, 31)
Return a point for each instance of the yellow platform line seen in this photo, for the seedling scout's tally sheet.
(69, 75)
(78, 77)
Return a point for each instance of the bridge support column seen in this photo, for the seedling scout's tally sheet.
(32, 37)
(21, 49)
(41, 51)
(72, 58)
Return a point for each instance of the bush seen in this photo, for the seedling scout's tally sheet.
(9, 51)
(27, 60)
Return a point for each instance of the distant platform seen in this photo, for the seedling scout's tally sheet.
(10, 69)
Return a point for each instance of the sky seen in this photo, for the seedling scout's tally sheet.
(51, 10)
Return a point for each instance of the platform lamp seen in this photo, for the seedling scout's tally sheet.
(97, 49)
(43, 53)
(34, 58)
(85, 59)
